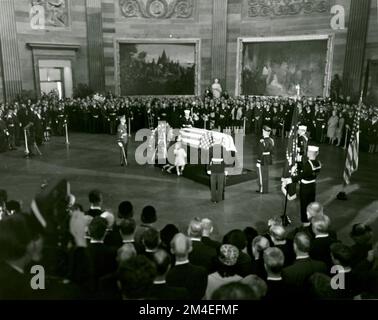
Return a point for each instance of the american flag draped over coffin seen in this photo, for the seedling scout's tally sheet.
(204, 139)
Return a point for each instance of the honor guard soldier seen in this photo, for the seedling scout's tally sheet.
(187, 121)
(112, 119)
(264, 159)
(122, 140)
(217, 172)
(307, 177)
(302, 145)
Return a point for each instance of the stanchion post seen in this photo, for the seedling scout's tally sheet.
(66, 127)
(26, 143)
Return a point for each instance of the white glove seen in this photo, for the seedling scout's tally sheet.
(208, 172)
(258, 164)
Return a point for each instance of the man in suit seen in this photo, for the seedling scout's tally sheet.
(302, 145)
(277, 236)
(264, 159)
(122, 139)
(160, 290)
(201, 255)
(95, 200)
(102, 257)
(274, 261)
(297, 275)
(207, 230)
(151, 242)
(148, 219)
(321, 244)
(184, 274)
(259, 244)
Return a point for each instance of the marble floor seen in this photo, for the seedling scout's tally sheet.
(92, 161)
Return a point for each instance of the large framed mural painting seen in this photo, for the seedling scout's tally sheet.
(274, 66)
(161, 68)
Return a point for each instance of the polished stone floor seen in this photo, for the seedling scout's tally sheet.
(91, 161)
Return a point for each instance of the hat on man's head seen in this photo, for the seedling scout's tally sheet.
(313, 148)
(122, 117)
(187, 111)
(304, 128)
(267, 129)
(228, 254)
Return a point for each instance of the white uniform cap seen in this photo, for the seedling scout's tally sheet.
(304, 128)
(313, 148)
(187, 111)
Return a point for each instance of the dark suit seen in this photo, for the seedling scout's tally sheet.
(94, 212)
(320, 250)
(258, 268)
(297, 275)
(276, 290)
(102, 260)
(191, 277)
(163, 291)
(113, 238)
(202, 255)
(15, 285)
(243, 266)
(210, 242)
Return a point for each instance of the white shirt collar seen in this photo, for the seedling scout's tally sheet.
(274, 278)
(322, 235)
(178, 263)
(160, 282)
(128, 241)
(195, 239)
(305, 256)
(97, 241)
(18, 269)
(95, 208)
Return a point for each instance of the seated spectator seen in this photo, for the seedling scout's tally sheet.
(108, 285)
(184, 274)
(274, 262)
(296, 276)
(362, 237)
(225, 267)
(95, 200)
(166, 236)
(160, 290)
(320, 287)
(238, 239)
(127, 229)
(234, 291)
(101, 256)
(13, 207)
(259, 244)
(250, 234)
(257, 285)
(148, 218)
(320, 245)
(151, 242)
(136, 276)
(201, 254)
(20, 246)
(342, 257)
(207, 230)
(125, 211)
(277, 236)
(369, 278)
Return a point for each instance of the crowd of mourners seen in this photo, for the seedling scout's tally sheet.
(126, 256)
(327, 121)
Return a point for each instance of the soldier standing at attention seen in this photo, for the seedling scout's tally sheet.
(264, 159)
(122, 140)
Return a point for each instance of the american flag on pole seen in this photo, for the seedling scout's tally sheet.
(291, 156)
(351, 162)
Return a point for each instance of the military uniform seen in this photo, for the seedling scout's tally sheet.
(264, 160)
(258, 119)
(122, 142)
(216, 169)
(307, 177)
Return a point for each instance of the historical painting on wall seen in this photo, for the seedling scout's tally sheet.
(275, 68)
(49, 14)
(157, 69)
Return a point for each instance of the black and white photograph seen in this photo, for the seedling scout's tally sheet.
(184, 156)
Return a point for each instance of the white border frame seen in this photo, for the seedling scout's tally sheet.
(197, 59)
(329, 56)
